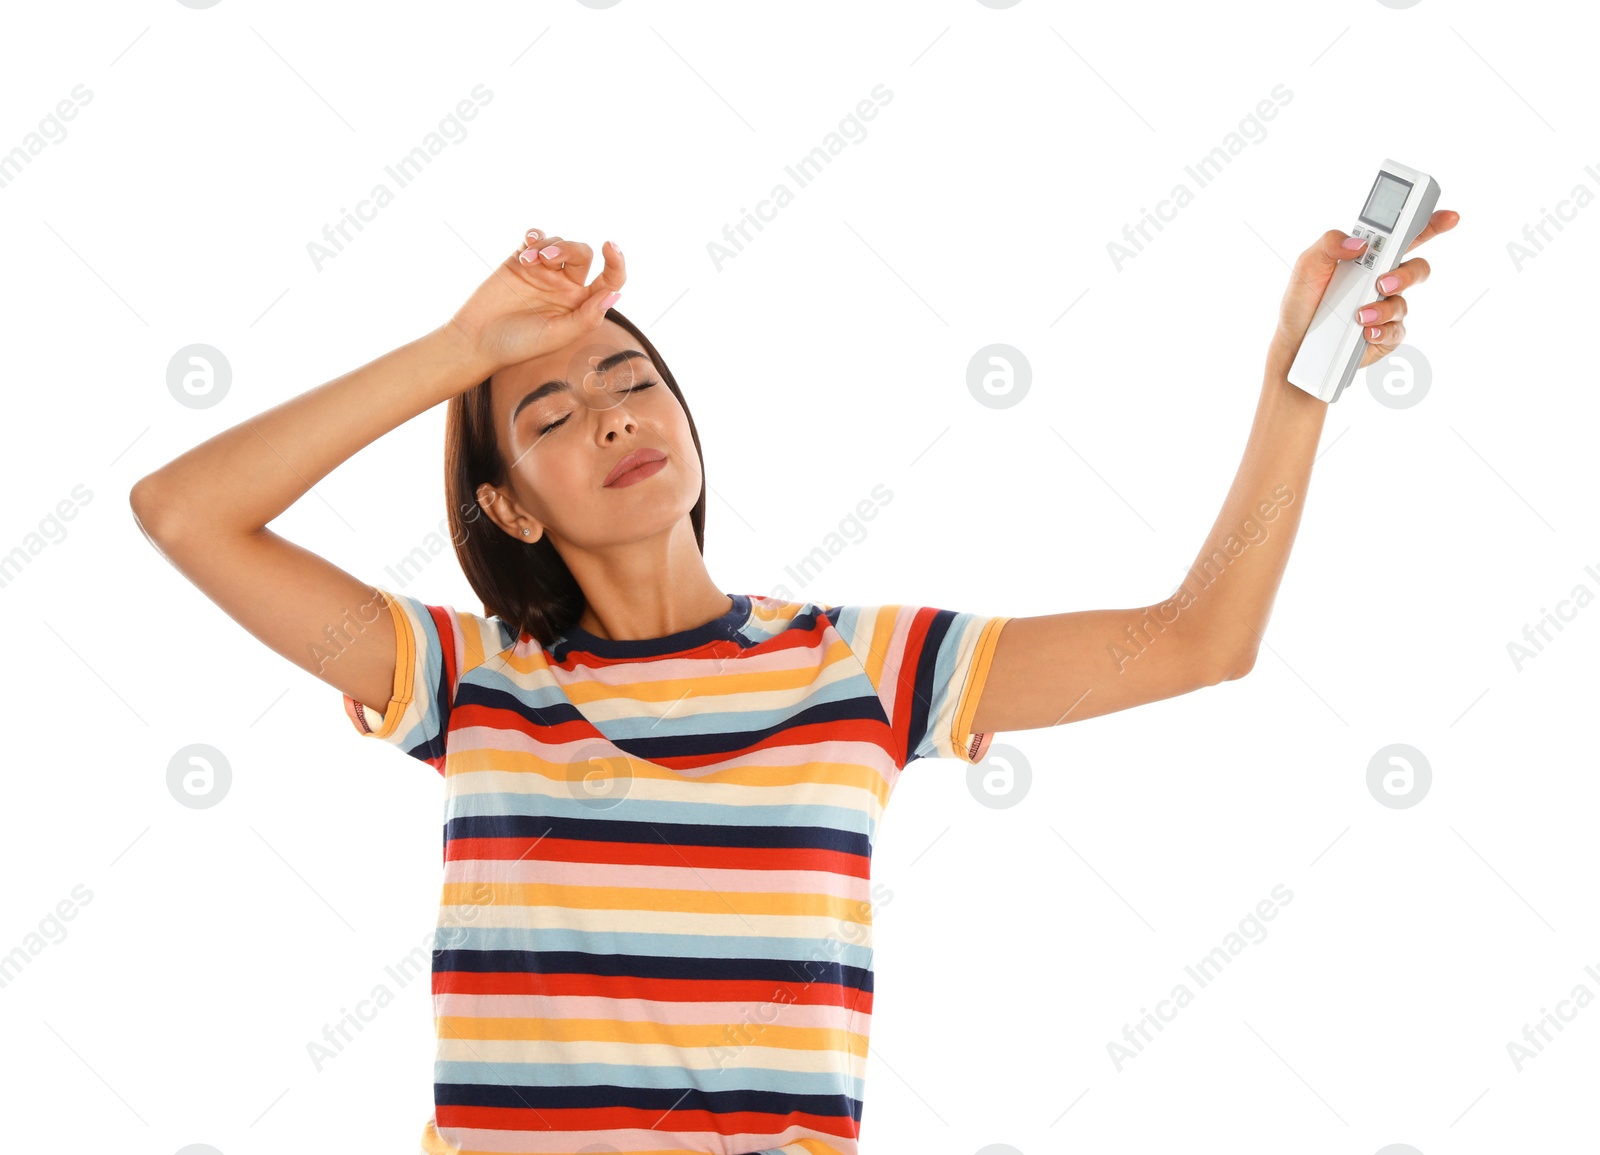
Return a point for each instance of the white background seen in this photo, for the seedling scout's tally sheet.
(828, 357)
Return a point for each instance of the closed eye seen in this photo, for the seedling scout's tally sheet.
(630, 389)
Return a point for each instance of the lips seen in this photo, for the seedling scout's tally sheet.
(632, 461)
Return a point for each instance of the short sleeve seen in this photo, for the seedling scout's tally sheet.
(928, 667)
(434, 646)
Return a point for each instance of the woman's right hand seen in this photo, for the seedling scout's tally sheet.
(533, 303)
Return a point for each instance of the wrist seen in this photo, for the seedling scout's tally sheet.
(1280, 356)
(1287, 401)
(464, 349)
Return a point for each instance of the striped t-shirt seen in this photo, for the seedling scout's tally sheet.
(655, 931)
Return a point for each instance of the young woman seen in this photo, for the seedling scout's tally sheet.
(655, 931)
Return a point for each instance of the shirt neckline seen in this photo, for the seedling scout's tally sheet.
(725, 628)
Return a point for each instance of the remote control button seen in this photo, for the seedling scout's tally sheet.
(1377, 242)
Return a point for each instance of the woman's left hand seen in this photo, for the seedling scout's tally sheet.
(1382, 320)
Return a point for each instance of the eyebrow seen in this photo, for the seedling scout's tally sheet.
(549, 387)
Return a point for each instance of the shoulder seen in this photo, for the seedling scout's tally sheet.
(771, 615)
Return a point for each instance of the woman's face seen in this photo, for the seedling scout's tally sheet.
(566, 420)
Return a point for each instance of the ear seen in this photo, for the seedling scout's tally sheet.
(506, 514)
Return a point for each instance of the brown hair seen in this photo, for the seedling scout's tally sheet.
(524, 583)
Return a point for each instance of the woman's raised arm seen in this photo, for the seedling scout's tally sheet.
(207, 511)
(1065, 667)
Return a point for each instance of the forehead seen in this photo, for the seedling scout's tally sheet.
(607, 356)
